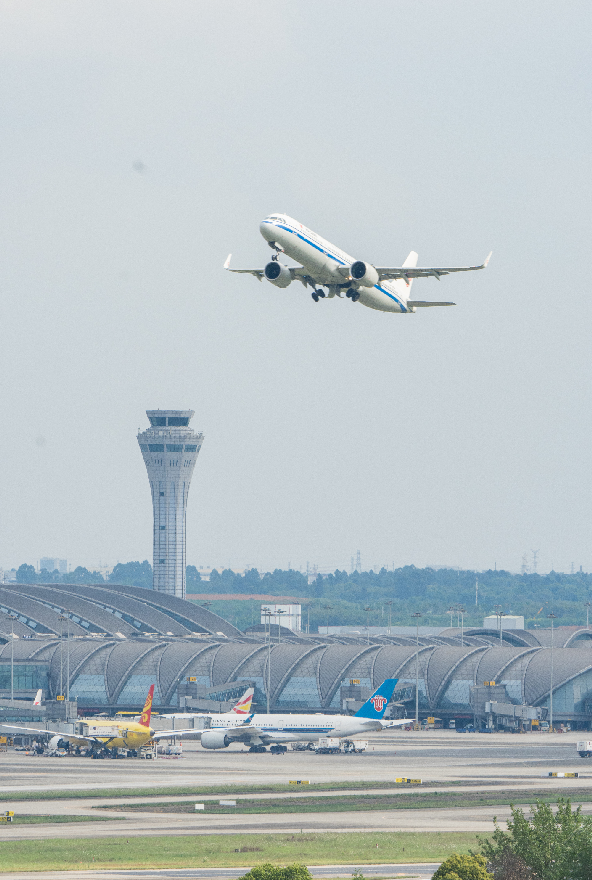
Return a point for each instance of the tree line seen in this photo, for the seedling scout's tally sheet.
(373, 598)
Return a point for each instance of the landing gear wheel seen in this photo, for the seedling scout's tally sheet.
(349, 292)
(321, 293)
(278, 750)
(355, 296)
(257, 749)
(315, 296)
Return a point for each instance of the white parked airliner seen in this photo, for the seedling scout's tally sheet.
(325, 266)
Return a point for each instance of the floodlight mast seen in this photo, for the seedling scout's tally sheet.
(417, 615)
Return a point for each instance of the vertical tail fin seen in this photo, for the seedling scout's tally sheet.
(145, 716)
(375, 707)
(243, 707)
(38, 696)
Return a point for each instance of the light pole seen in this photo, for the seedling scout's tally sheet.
(587, 614)
(390, 609)
(67, 619)
(417, 615)
(451, 612)
(279, 612)
(462, 625)
(552, 618)
(11, 658)
(267, 613)
(327, 609)
(499, 614)
(367, 609)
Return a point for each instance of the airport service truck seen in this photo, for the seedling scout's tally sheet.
(331, 745)
(584, 748)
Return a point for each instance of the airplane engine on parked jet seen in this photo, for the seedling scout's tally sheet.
(278, 274)
(215, 739)
(364, 274)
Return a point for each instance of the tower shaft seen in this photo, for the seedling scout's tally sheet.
(170, 449)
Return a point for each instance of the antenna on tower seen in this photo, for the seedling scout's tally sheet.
(535, 554)
(476, 591)
(358, 561)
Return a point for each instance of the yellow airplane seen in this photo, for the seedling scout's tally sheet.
(106, 736)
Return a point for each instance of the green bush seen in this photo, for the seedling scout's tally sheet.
(278, 872)
(547, 845)
(457, 867)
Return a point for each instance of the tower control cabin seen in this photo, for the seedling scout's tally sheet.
(170, 449)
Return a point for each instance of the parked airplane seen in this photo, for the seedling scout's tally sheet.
(241, 709)
(104, 736)
(386, 289)
(259, 731)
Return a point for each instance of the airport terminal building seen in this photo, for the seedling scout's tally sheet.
(106, 644)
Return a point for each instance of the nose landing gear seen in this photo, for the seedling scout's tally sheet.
(318, 293)
(353, 294)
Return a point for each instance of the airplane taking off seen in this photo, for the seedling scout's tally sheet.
(386, 289)
(259, 731)
(106, 736)
(241, 709)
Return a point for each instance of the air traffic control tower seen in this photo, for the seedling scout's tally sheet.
(170, 449)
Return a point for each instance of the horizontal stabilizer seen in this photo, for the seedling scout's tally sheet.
(419, 304)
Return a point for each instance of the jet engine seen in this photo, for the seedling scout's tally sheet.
(215, 739)
(278, 274)
(364, 274)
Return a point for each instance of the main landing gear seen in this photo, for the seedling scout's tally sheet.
(257, 749)
(318, 294)
(353, 294)
(278, 750)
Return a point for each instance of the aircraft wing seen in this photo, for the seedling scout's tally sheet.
(258, 273)
(408, 272)
(297, 272)
(66, 736)
(165, 734)
(399, 722)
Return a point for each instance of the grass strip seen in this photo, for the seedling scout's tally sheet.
(347, 803)
(171, 790)
(57, 819)
(231, 850)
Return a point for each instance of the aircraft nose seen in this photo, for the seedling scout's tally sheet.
(267, 230)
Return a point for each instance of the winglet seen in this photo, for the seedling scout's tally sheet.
(227, 263)
(487, 259)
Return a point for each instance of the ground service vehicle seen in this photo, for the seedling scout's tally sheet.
(584, 748)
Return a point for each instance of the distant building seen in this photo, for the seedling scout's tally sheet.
(50, 564)
(509, 621)
(289, 616)
(170, 449)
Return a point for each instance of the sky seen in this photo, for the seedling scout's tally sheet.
(143, 141)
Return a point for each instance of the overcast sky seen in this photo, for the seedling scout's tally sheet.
(143, 141)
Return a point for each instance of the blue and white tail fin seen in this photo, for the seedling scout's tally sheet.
(375, 707)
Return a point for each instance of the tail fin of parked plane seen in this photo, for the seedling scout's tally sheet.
(145, 716)
(243, 707)
(375, 707)
(38, 696)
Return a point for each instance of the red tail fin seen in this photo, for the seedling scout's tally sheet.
(145, 717)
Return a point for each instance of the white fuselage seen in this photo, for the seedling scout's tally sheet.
(287, 728)
(322, 260)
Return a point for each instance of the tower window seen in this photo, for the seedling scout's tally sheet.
(192, 448)
(158, 421)
(178, 422)
(156, 447)
(162, 494)
(162, 528)
(161, 561)
(174, 447)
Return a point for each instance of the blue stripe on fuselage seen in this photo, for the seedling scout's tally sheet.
(333, 257)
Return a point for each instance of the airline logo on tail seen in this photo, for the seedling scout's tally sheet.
(243, 707)
(145, 716)
(378, 702)
(375, 707)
